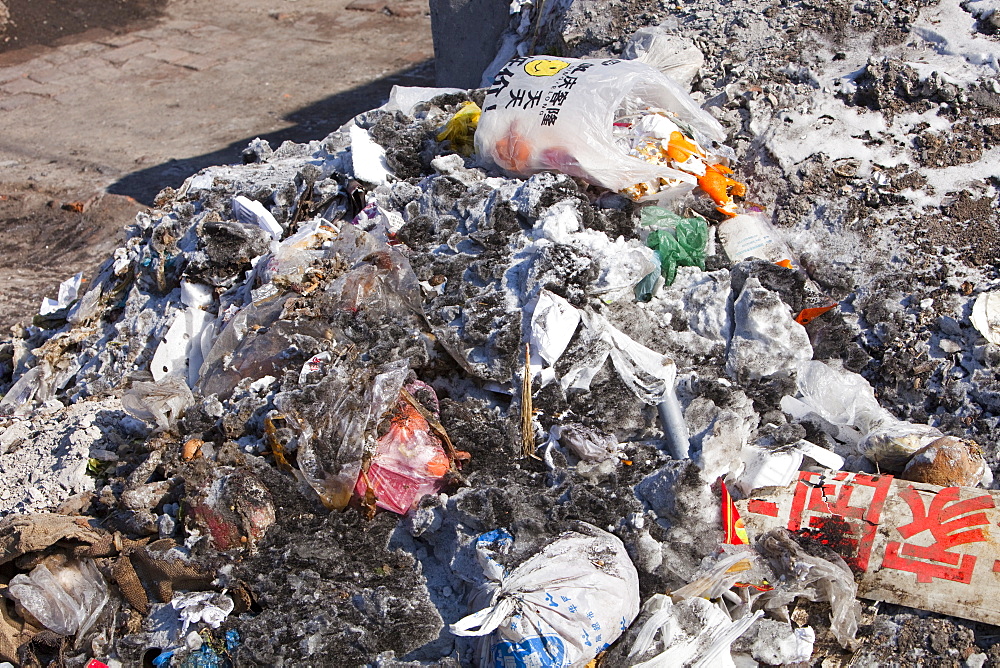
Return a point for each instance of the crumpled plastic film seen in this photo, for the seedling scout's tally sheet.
(691, 632)
(335, 418)
(66, 599)
(461, 128)
(813, 578)
(678, 241)
(163, 402)
(848, 401)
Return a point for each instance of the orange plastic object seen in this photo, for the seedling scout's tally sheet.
(513, 151)
(807, 315)
(680, 148)
(717, 185)
(787, 264)
(732, 524)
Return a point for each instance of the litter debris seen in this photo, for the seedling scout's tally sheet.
(986, 316)
(590, 98)
(369, 162)
(693, 631)
(674, 55)
(410, 460)
(252, 212)
(65, 596)
(203, 606)
(68, 292)
(162, 402)
(947, 462)
(286, 418)
(553, 324)
(909, 543)
(751, 235)
(678, 242)
(732, 524)
(461, 129)
(563, 606)
(847, 402)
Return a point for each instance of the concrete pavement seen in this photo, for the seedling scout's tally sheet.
(209, 75)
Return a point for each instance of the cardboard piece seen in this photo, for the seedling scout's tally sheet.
(908, 543)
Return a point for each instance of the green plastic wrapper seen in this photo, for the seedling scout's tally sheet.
(678, 241)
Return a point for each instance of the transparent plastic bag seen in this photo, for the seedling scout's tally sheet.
(813, 578)
(66, 598)
(336, 424)
(560, 114)
(675, 56)
(847, 400)
(409, 461)
(162, 402)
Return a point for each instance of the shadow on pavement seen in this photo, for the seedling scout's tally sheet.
(315, 121)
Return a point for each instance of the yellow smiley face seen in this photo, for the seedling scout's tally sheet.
(544, 68)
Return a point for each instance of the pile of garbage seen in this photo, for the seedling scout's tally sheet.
(557, 371)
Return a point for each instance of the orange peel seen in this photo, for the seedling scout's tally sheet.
(680, 148)
(718, 185)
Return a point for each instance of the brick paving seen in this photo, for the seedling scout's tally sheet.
(184, 46)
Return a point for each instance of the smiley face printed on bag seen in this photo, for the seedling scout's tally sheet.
(542, 67)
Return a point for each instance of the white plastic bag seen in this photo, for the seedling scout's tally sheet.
(559, 608)
(847, 400)
(66, 599)
(559, 113)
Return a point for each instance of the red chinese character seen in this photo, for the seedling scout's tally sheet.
(945, 522)
(841, 511)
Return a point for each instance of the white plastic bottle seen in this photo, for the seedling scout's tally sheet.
(751, 235)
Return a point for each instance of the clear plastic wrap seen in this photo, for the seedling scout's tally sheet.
(66, 598)
(813, 578)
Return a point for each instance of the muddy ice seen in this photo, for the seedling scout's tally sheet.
(205, 409)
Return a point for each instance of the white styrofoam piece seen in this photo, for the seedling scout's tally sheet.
(195, 295)
(821, 455)
(767, 468)
(368, 158)
(252, 212)
(182, 350)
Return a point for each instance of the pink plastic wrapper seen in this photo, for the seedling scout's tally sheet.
(409, 460)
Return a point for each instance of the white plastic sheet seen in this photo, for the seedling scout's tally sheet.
(66, 599)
